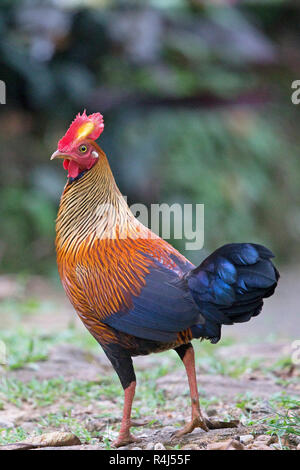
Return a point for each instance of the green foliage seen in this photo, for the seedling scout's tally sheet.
(197, 109)
(27, 347)
(285, 421)
(10, 436)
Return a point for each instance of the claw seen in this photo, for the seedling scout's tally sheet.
(125, 440)
(205, 424)
(196, 422)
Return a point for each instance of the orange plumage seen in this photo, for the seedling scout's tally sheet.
(103, 267)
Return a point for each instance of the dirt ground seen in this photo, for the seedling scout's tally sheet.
(159, 427)
(250, 379)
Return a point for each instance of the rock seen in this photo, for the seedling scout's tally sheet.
(211, 412)
(246, 439)
(265, 439)
(298, 447)
(159, 446)
(136, 448)
(169, 429)
(290, 440)
(231, 444)
(150, 446)
(262, 438)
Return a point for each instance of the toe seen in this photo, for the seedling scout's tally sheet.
(197, 422)
(125, 440)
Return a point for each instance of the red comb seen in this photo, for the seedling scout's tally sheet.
(83, 126)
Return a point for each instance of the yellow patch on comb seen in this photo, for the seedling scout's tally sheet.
(84, 130)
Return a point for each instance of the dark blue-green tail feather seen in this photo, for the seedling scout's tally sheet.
(229, 286)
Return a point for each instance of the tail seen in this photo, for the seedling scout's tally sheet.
(229, 286)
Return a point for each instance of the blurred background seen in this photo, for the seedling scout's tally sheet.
(196, 98)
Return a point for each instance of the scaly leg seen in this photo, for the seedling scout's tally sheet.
(187, 355)
(125, 437)
(122, 364)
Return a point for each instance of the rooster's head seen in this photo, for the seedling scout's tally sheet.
(77, 147)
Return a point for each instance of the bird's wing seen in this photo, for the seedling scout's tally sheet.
(163, 308)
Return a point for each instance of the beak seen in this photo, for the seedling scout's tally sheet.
(58, 154)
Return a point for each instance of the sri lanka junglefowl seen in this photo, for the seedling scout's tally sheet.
(133, 291)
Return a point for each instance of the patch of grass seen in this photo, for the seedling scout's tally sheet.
(148, 394)
(282, 363)
(23, 348)
(246, 403)
(46, 392)
(285, 383)
(285, 401)
(283, 418)
(229, 367)
(42, 393)
(65, 422)
(62, 421)
(9, 436)
(285, 424)
(27, 347)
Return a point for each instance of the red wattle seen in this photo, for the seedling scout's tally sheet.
(73, 169)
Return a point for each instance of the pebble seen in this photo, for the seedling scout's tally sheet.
(246, 439)
(159, 446)
(150, 446)
(136, 448)
(265, 439)
(298, 447)
(211, 412)
(169, 429)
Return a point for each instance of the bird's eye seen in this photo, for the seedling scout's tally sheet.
(83, 148)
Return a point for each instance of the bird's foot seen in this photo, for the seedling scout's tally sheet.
(206, 424)
(125, 439)
(196, 422)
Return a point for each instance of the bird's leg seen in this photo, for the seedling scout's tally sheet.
(122, 363)
(125, 437)
(187, 355)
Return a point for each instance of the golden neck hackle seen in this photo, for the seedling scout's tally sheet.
(92, 207)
